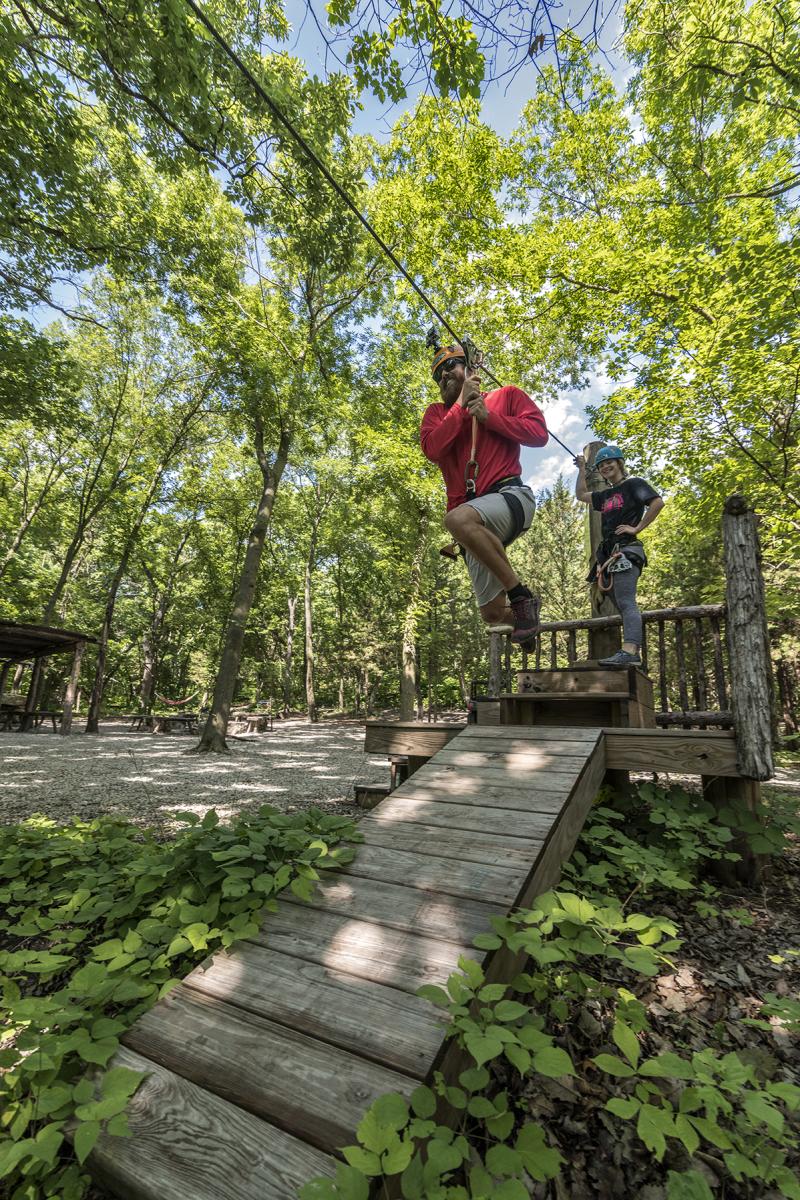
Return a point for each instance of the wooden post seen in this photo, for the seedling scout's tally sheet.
(495, 663)
(751, 692)
(32, 693)
(6, 667)
(72, 687)
(602, 642)
(748, 641)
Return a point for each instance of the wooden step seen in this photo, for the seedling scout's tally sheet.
(187, 1142)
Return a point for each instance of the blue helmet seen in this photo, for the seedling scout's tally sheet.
(607, 452)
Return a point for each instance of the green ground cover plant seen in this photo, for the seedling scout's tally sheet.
(574, 1017)
(98, 920)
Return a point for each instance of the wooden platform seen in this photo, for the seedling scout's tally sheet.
(262, 1062)
(676, 751)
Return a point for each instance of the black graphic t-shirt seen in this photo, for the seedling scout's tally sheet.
(623, 504)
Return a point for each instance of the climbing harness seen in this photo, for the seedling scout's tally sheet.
(313, 157)
(615, 564)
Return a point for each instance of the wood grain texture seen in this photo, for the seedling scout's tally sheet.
(521, 795)
(342, 1009)
(516, 757)
(534, 737)
(408, 738)
(575, 679)
(404, 908)
(451, 776)
(683, 752)
(314, 1090)
(458, 844)
(511, 823)
(361, 948)
(189, 1144)
(432, 873)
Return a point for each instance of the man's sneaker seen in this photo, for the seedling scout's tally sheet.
(623, 658)
(525, 611)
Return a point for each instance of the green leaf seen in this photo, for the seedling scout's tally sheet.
(553, 1062)
(397, 1158)
(625, 1108)
(652, 1125)
(626, 1040)
(483, 1049)
(442, 1157)
(711, 1131)
(503, 1161)
(86, 1134)
(423, 1101)
(667, 1066)
(363, 1160)
(474, 1079)
(541, 1161)
(759, 1109)
(391, 1111)
(519, 1057)
(687, 1185)
(613, 1066)
(509, 1010)
(435, 994)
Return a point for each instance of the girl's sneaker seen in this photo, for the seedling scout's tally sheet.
(623, 658)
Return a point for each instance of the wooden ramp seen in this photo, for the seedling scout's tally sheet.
(262, 1062)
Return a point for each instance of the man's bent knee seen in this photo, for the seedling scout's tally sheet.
(459, 519)
(496, 611)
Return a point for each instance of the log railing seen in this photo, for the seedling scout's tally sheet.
(684, 650)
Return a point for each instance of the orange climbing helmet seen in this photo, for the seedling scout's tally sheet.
(445, 354)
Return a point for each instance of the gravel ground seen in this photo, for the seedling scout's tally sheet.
(143, 777)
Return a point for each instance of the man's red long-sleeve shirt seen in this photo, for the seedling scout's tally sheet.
(446, 439)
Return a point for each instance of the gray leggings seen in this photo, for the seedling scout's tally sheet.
(624, 595)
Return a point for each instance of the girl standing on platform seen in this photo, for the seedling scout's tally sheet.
(627, 506)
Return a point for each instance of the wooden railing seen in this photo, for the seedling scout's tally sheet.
(684, 650)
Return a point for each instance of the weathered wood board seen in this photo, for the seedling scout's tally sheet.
(282, 1043)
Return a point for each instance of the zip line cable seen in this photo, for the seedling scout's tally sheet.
(230, 53)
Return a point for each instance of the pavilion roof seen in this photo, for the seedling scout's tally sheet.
(20, 642)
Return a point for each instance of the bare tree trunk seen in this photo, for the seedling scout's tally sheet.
(213, 735)
(72, 687)
(30, 515)
(152, 637)
(311, 703)
(287, 660)
(408, 665)
(93, 715)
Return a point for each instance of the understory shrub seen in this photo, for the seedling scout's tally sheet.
(98, 920)
(581, 954)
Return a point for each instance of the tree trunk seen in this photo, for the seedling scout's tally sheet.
(311, 703)
(748, 641)
(602, 642)
(213, 735)
(408, 664)
(287, 660)
(72, 688)
(152, 638)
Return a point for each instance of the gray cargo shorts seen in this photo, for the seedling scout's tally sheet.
(496, 516)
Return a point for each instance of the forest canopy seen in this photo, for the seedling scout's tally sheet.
(211, 376)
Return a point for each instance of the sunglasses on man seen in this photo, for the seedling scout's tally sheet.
(447, 365)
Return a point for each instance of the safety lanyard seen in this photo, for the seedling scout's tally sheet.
(472, 468)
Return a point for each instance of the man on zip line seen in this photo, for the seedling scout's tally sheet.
(475, 437)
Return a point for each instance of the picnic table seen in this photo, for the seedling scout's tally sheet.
(165, 723)
(250, 722)
(13, 717)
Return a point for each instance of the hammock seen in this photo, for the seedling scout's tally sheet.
(177, 703)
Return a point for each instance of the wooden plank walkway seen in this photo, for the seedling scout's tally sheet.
(262, 1062)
